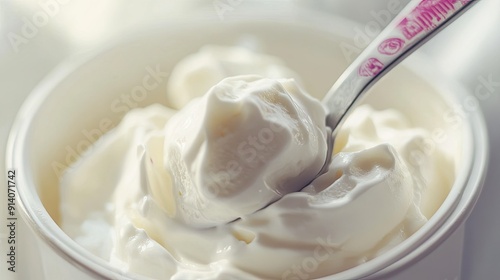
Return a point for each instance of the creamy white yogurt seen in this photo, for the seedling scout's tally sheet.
(243, 145)
(152, 206)
(197, 73)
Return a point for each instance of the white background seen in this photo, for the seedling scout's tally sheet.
(466, 51)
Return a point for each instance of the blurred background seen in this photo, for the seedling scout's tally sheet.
(36, 35)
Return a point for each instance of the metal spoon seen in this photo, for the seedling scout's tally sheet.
(418, 22)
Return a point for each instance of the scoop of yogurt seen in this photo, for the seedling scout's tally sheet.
(166, 183)
(246, 143)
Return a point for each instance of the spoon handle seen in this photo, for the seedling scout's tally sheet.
(419, 21)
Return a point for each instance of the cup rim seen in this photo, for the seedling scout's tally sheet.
(429, 237)
(33, 211)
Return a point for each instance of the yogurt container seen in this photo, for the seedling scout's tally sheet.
(84, 98)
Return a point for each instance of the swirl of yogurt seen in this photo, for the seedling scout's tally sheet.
(194, 75)
(165, 184)
(243, 145)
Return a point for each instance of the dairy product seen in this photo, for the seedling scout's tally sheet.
(229, 153)
(164, 184)
(197, 73)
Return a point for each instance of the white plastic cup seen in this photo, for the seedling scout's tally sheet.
(83, 98)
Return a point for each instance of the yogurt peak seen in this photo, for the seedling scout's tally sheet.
(243, 145)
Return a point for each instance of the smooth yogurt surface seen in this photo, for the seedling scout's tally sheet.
(227, 187)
